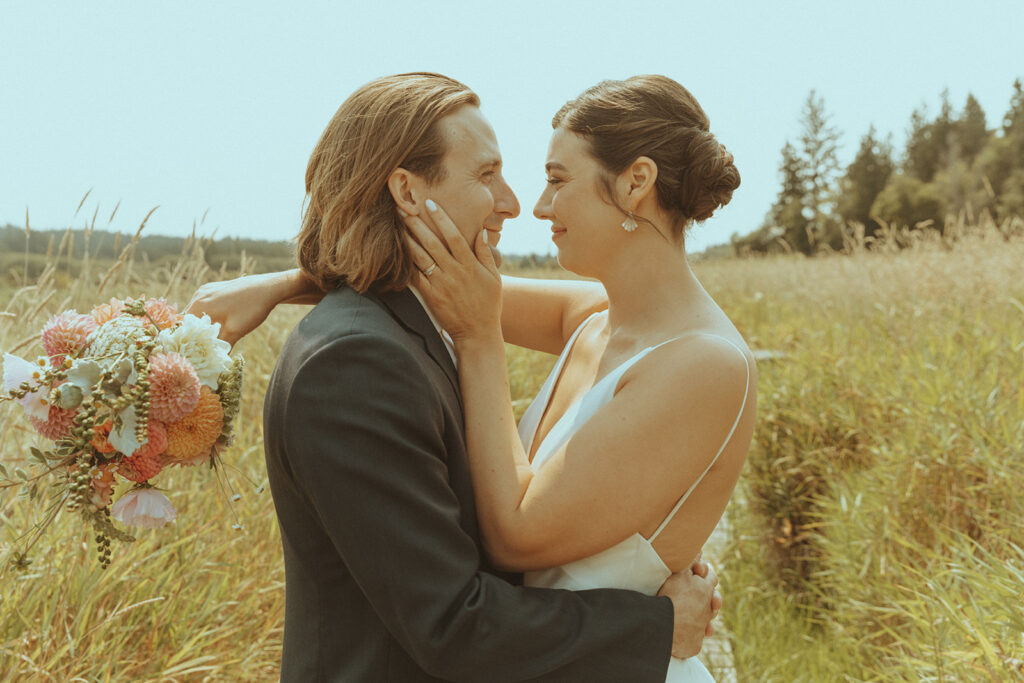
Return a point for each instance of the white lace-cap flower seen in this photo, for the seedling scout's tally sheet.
(116, 337)
(145, 507)
(18, 370)
(196, 339)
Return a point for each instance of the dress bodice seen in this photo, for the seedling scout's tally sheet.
(632, 563)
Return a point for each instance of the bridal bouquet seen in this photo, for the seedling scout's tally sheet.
(124, 392)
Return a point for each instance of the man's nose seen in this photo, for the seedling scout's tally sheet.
(505, 202)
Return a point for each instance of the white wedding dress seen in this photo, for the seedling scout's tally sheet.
(632, 564)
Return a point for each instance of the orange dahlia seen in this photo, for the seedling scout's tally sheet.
(173, 387)
(104, 312)
(165, 315)
(99, 437)
(194, 435)
(145, 463)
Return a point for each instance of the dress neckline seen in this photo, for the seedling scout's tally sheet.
(556, 376)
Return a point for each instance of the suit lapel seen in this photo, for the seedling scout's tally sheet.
(406, 309)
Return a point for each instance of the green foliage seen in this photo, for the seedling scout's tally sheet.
(864, 180)
(802, 215)
(70, 250)
(879, 531)
(906, 200)
(953, 169)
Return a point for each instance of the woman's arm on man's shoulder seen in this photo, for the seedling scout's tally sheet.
(542, 314)
(537, 314)
(241, 305)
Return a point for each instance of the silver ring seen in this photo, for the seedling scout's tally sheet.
(431, 269)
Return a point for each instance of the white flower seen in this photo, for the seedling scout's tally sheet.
(115, 337)
(122, 436)
(82, 378)
(18, 370)
(196, 339)
(145, 507)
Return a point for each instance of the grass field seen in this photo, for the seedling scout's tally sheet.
(877, 534)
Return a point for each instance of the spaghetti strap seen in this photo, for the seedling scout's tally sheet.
(735, 424)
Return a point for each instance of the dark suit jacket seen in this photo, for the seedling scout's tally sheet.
(385, 580)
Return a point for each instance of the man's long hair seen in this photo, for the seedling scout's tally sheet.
(351, 233)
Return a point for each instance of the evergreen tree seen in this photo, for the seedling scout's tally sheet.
(819, 142)
(929, 142)
(971, 129)
(864, 180)
(787, 216)
(1013, 122)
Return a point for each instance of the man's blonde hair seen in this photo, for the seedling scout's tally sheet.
(351, 233)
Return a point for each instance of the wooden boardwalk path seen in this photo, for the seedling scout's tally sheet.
(717, 652)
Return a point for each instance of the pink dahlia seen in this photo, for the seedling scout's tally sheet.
(146, 463)
(165, 315)
(66, 334)
(104, 312)
(173, 387)
(57, 425)
(145, 507)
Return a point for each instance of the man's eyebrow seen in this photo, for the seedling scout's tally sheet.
(490, 163)
(554, 165)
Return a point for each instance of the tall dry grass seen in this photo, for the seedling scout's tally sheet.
(199, 600)
(876, 535)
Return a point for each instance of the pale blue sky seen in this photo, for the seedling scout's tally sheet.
(216, 106)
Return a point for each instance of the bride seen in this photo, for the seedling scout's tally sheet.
(623, 464)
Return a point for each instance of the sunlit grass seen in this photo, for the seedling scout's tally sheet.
(877, 532)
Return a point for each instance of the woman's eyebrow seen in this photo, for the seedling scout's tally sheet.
(554, 165)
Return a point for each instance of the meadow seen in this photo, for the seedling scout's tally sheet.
(877, 532)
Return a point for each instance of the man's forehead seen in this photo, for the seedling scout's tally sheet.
(469, 134)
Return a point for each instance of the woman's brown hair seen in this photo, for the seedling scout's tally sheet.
(351, 233)
(654, 116)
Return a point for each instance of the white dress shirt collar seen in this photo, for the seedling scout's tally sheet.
(444, 335)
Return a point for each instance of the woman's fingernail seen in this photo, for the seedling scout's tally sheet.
(484, 231)
(431, 206)
(403, 214)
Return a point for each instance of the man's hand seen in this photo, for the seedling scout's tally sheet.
(696, 602)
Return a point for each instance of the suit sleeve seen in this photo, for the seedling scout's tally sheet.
(370, 429)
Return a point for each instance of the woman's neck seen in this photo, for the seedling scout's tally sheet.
(651, 290)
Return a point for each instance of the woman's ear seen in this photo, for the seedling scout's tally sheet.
(637, 181)
(407, 190)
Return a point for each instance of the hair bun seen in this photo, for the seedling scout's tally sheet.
(710, 178)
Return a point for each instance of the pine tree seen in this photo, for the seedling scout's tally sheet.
(819, 142)
(787, 217)
(864, 180)
(929, 142)
(971, 129)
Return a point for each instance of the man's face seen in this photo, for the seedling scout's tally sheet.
(473, 192)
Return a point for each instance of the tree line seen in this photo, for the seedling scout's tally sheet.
(67, 249)
(952, 165)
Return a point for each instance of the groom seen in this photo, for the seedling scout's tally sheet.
(385, 579)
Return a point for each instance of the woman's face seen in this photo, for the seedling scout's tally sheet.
(583, 220)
